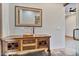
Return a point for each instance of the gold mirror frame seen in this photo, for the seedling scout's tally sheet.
(17, 16)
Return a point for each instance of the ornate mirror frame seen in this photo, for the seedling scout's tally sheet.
(37, 21)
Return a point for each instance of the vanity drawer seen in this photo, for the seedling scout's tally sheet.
(28, 41)
(28, 47)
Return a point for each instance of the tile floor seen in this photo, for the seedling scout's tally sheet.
(72, 48)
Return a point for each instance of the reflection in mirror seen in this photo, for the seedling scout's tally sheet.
(28, 16)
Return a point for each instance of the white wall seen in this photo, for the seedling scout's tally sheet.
(77, 22)
(77, 19)
(53, 22)
(5, 20)
(70, 24)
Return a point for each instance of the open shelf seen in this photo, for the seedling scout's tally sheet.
(32, 44)
(25, 51)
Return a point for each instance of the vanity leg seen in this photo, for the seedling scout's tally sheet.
(2, 47)
(49, 52)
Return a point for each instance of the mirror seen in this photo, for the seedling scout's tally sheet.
(27, 16)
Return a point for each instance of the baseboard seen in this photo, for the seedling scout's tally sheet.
(56, 48)
(68, 36)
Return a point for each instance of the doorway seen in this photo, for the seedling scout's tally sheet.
(71, 15)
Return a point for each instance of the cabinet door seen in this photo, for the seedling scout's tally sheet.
(13, 46)
(42, 42)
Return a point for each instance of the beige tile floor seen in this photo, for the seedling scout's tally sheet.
(72, 46)
(71, 49)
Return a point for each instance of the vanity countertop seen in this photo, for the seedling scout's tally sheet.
(25, 36)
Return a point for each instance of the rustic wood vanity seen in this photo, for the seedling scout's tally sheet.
(22, 44)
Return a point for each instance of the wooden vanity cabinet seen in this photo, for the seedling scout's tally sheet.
(29, 44)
